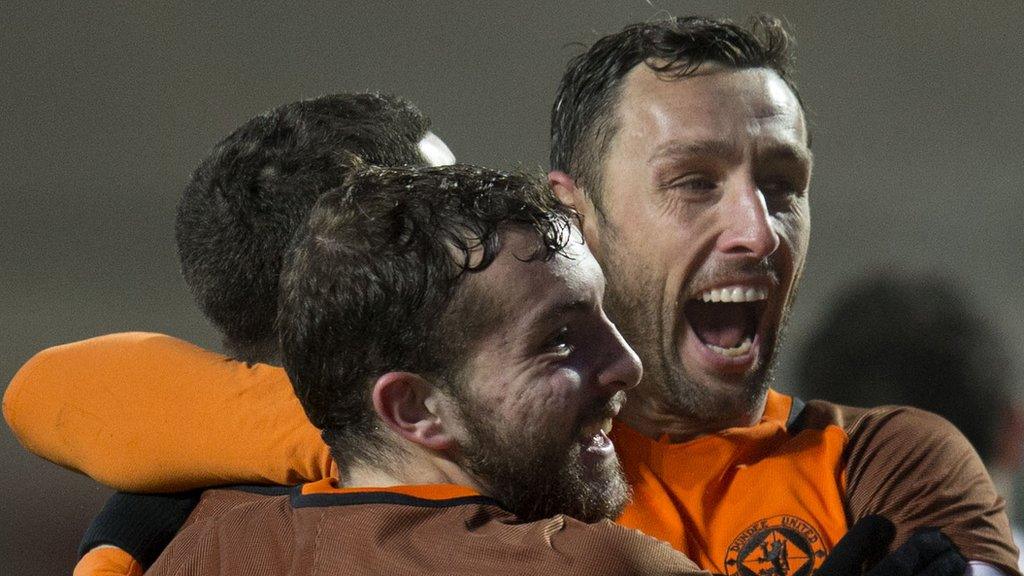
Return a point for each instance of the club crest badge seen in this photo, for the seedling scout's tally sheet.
(777, 546)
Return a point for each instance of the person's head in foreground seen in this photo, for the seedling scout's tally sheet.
(242, 204)
(683, 145)
(446, 325)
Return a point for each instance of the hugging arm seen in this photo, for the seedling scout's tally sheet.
(149, 413)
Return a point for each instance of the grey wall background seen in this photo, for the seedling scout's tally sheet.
(105, 108)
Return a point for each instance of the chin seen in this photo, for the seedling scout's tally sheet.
(718, 396)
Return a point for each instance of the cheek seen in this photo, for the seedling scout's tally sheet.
(642, 238)
(545, 400)
(794, 228)
(664, 253)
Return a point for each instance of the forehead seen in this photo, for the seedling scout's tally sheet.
(520, 288)
(715, 103)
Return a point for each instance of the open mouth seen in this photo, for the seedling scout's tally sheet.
(726, 319)
(594, 438)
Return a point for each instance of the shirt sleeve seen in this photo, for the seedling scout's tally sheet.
(140, 524)
(918, 470)
(144, 412)
(107, 561)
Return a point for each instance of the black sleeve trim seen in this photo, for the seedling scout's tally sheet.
(796, 422)
(140, 524)
(264, 490)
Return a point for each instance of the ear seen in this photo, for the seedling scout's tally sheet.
(565, 189)
(408, 404)
(568, 193)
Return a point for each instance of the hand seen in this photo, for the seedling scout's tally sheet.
(865, 542)
(927, 553)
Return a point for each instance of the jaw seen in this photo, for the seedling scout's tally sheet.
(682, 403)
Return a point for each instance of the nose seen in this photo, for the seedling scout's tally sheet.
(747, 226)
(622, 369)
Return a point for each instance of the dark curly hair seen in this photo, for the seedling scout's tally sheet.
(582, 118)
(243, 203)
(373, 284)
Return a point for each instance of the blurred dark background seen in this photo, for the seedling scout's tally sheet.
(916, 108)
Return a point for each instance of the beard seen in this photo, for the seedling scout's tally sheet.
(535, 474)
(633, 302)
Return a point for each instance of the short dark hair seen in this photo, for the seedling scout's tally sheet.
(917, 340)
(583, 116)
(374, 283)
(244, 202)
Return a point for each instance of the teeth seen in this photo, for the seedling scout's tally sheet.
(734, 294)
(740, 350)
(591, 431)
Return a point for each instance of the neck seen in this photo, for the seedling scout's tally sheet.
(415, 469)
(654, 416)
(265, 351)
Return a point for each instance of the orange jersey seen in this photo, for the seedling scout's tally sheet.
(774, 498)
(769, 499)
(740, 498)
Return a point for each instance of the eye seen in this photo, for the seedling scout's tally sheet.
(559, 342)
(695, 183)
(778, 187)
(782, 186)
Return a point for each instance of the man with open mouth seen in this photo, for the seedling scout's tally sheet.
(683, 144)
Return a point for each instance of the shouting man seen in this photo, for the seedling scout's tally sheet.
(684, 146)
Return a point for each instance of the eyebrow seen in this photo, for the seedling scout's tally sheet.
(787, 152)
(557, 308)
(676, 148)
(731, 151)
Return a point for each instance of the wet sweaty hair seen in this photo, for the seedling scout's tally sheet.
(583, 119)
(244, 202)
(892, 338)
(374, 284)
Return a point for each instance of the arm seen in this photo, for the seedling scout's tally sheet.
(926, 553)
(146, 412)
(130, 532)
(919, 471)
(107, 561)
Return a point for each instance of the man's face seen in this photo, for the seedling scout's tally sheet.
(703, 233)
(539, 393)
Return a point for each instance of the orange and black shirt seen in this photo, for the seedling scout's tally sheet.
(319, 528)
(772, 498)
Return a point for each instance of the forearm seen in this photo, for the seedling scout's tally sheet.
(146, 412)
